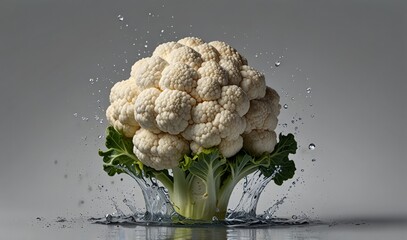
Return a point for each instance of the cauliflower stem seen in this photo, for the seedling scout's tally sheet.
(200, 187)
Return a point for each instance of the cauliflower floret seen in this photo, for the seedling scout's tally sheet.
(159, 151)
(263, 112)
(148, 73)
(173, 108)
(273, 99)
(232, 69)
(229, 148)
(120, 113)
(258, 142)
(185, 55)
(214, 70)
(205, 135)
(164, 50)
(260, 116)
(207, 89)
(179, 76)
(228, 52)
(191, 41)
(233, 98)
(230, 124)
(144, 112)
(208, 53)
(253, 82)
(205, 112)
(137, 65)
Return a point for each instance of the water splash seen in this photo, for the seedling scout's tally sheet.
(159, 210)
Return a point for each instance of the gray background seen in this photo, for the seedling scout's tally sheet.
(58, 60)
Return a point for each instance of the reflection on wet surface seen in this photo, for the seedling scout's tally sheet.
(61, 228)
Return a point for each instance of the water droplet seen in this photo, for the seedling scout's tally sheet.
(285, 106)
(109, 217)
(294, 217)
(311, 146)
(309, 90)
(120, 17)
(277, 63)
(100, 136)
(313, 160)
(302, 170)
(75, 114)
(284, 125)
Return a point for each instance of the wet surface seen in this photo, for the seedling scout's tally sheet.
(81, 228)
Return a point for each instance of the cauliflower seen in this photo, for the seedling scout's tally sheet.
(192, 98)
(191, 79)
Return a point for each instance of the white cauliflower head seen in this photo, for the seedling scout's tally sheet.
(191, 95)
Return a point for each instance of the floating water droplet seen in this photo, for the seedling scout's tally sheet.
(302, 170)
(277, 63)
(309, 90)
(120, 17)
(285, 106)
(100, 136)
(313, 160)
(75, 114)
(311, 146)
(284, 125)
(294, 217)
